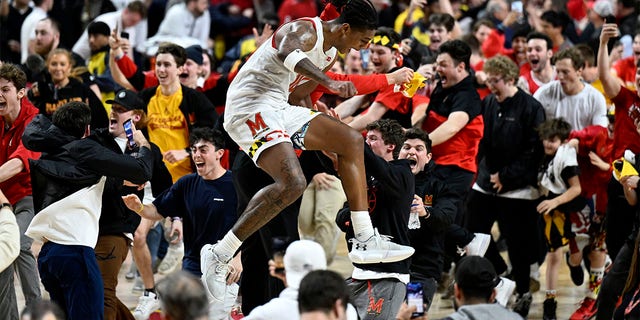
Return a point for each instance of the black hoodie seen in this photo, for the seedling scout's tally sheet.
(69, 164)
(428, 240)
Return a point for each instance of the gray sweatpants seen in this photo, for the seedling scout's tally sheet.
(377, 298)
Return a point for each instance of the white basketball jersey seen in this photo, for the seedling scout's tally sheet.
(264, 75)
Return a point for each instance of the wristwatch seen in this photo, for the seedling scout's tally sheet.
(6, 205)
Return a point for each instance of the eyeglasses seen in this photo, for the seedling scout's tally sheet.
(493, 81)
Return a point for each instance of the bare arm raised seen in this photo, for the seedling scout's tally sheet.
(610, 84)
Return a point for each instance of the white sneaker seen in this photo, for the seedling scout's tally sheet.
(146, 306)
(172, 259)
(479, 245)
(504, 291)
(214, 272)
(378, 248)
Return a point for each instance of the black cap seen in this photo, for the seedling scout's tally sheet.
(475, 272)
(128, 99)
(194, 53)
(99, 27)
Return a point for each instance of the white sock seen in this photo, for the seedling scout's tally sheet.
(228, 246)
(595, 280)
(362, 227)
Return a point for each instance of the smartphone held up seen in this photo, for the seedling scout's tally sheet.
(415, 298)
(128, 130)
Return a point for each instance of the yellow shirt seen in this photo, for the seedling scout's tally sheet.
(97, 67)
(598, 85)
(168, 129)
(422, 37)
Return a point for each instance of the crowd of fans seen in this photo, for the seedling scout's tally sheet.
(239, 140)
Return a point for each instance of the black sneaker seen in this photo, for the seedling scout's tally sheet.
(522, 304)
(577, 274)
(549, 309)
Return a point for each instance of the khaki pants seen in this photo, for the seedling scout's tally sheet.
(318, 210)
(111, 251)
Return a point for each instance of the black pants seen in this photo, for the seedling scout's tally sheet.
(620, 218)
(257, 286)
(518, 222)
(613, 282)
(459, 181)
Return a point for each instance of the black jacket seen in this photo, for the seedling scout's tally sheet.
(428, 240)
(510, 145)
(116, 218)
(390, 188)
(68, 164)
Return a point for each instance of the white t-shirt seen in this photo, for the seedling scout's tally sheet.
(137, 33)
(586, 108)
(28, 31)
(179, 22)
(551, 178)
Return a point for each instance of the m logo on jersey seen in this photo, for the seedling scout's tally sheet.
(257, 125)
(428, 200)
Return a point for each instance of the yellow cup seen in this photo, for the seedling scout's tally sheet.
(409, 88)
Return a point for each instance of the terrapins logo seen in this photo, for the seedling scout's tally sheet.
(428, 200)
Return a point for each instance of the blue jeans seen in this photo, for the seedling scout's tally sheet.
(72, 277)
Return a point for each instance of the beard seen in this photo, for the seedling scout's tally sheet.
(43, 50)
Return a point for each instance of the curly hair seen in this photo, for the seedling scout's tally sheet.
(13, 74)
(557, 127)
(503, 66)
(391, 132)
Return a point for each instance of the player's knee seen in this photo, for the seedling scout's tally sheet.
(296, 186)
(354, 142)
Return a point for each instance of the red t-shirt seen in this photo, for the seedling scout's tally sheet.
(625, 135)
(19, 186)
(295, 9)
(592, 179)
(626, 70)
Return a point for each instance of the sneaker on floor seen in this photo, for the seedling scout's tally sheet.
(378, 248)
(214, 272)
(130, 276)
(172, 259)
(522, 304)
(587, 310)
(448, 294)
(534, 285)
(479, 245)
(146, 305)
(577, 274)
(444, 282)
(549, 309)
(504, 290)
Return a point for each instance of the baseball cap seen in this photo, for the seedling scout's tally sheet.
(302, 257)
(603, 8)
(476, 272)
(128, 99)
(194, 53)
